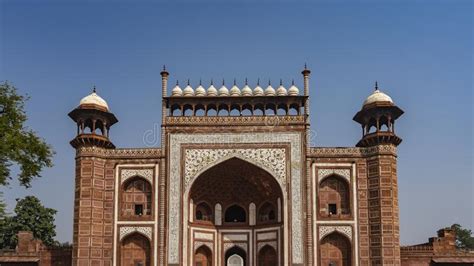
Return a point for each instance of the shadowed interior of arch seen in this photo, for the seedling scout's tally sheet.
(236, 182)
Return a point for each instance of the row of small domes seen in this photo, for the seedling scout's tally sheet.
(234, 91)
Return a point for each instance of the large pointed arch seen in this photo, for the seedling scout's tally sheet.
(278, 171)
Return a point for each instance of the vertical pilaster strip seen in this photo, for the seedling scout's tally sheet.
(309, 214)
(162, 212)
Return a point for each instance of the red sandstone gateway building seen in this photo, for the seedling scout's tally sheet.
(236, 182)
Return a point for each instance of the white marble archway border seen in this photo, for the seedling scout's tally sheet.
(176, 181)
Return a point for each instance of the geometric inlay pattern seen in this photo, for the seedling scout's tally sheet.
(147, 174)
(197, 160)
(345, 173)
(272, 244)
(199, 244)
(325, 230)
(146, 231)
(243, 246)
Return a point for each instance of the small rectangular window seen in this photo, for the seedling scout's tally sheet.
(138, 209)
(332, 209)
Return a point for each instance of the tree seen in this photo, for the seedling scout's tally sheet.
(18, 143)
(30, 215)
(464, 239)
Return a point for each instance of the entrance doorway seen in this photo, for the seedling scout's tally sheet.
(235, 257)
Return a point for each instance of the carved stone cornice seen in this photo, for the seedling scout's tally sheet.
(353, 151)
(148, 153)
(272, 121)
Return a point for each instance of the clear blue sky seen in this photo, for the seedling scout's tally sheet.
(419, 51)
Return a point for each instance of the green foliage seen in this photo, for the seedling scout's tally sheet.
(2, 207)
(19, 144)
(464, 239)
(30, 215)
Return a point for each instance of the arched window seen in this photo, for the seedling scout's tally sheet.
(235, 214)
(334, 197)
(267, 213)
(203, 212)
(136, 198)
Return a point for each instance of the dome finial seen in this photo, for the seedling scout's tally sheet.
(212, 82)
(188, 82)
(234, 82)
(164, 67)
(177, 82)
(305, 66)
(376, 86)
(246, 81)
(269, 82)
(200, 82)
(223, 82)
(293, 82)
(258, 82)
(281, 82)
(93, 89)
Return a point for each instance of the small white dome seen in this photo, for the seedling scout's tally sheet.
(211, 91)
(94, 99)
(378, 96)
(235, 91)
(200, 91)
(258, 91)
(177, 91)
(246, 91)
(269, 91)
(188, 91)
(281, 91)
(293, 90)
(223, 91)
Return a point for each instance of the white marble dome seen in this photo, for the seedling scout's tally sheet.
(258, 91)
(223, 91)
(378, 96)
(188, 91)
(281, 91)
(235, 91)
(212, 91)
(94, 99)
(293, 90)
(200, 91)
(177, 91)
(269, 91)
(246, 91)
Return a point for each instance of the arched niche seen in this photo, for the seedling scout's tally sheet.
(135, 249)
(203, 256)
(267, 256)
(335, 249)
(136, 197)
(334, 197)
